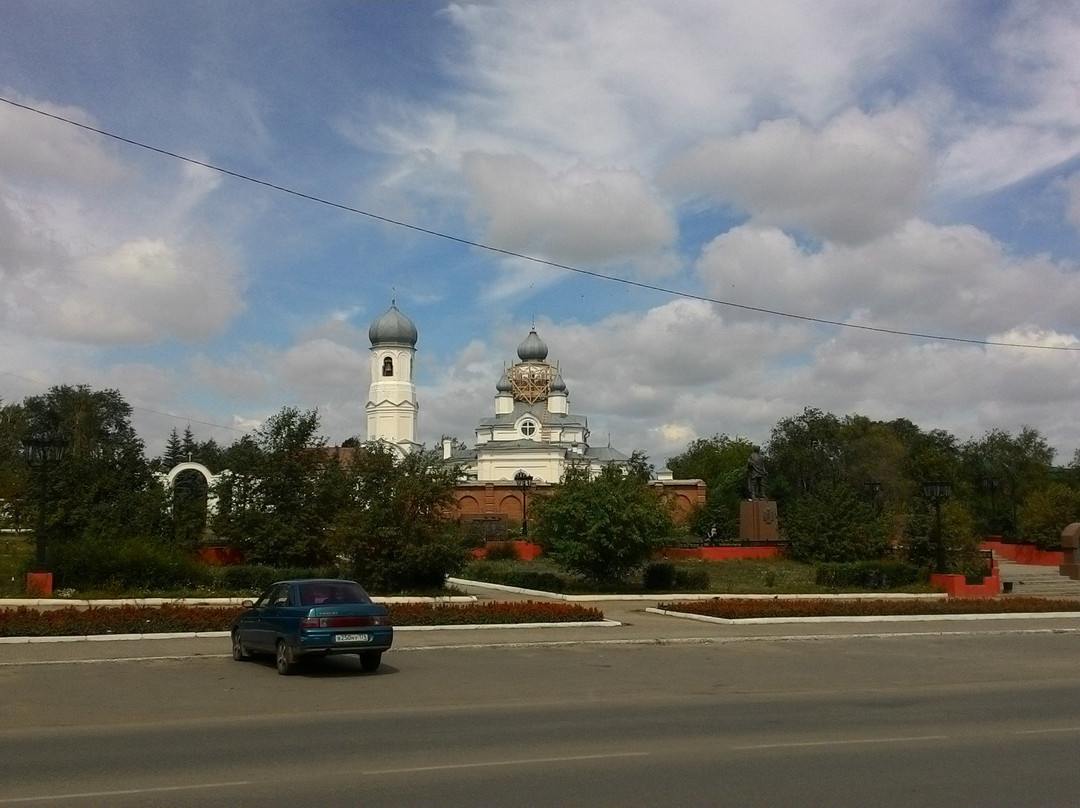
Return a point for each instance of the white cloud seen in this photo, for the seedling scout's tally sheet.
(582, 215)
(857, 178)
(1072, 201)
(950, 281)
(1032, 121)
(143, 291)
(38, 149)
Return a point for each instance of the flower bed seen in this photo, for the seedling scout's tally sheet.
(25, 622)
(738, 609)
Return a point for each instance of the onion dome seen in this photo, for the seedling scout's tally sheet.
(558, 386)
(504, 385)
(532, 349)
(392, 328)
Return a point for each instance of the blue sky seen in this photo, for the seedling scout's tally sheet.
(913, 167)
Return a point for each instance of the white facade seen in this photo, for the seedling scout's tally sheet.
(532, 429)
(392, 408)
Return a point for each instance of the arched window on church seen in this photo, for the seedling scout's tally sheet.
(388, 366)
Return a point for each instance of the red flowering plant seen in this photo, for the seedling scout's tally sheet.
(26, 622)
(741, 609)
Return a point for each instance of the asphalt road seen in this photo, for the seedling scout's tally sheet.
(981, 719)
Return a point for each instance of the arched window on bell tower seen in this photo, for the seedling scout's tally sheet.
(388, 366)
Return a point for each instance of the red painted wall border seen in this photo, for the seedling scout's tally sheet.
(1025, 553)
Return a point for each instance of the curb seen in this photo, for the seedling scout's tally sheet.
(880, 618)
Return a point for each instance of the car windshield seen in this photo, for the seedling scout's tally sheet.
(320, 592)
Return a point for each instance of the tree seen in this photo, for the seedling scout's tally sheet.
(833, 523)
(397, 531)
(1001, 471)
(804, 451)
(603, 528)
(106, 515)
(103, 488)
(1046, 513)
(720, 461)
(639, 466)
(282, 492)
(958, 533)
(14, 479)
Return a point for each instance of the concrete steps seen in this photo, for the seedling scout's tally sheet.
(1037, 581)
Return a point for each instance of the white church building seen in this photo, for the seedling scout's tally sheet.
(532, 429)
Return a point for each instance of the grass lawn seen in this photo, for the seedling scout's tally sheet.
(740, 576)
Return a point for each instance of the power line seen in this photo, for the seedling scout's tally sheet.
(533, 259)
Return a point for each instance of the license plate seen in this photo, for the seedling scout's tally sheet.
(352, 638)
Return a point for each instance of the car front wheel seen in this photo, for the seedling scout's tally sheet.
(286, 662)
(370, 660)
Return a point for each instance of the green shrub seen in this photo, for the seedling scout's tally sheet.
(254, 578)
(867, 575)
(126, 565)
(691, 580)
(663, 576)
(659, 576)
(833, 524)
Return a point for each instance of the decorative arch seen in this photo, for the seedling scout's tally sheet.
(510, 505)
(169, 482)
(468, 504)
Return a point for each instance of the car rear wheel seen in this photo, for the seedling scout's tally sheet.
(286, 662)
(370, 660)
(239, 652)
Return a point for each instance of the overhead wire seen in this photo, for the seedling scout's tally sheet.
(533, 259)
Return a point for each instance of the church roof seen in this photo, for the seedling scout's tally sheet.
(543, 415)
(532, 348)
(605, 454)
(392, 328)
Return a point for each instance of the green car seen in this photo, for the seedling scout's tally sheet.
(310, 618)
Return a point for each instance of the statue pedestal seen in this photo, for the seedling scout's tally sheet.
(757, 520)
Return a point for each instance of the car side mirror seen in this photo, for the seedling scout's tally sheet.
(248, 604)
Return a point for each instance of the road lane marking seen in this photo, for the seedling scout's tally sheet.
(128, 792)
(1046, 731)
(803, 744)
(521, 762)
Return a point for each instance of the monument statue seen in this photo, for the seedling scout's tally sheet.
(755, 475)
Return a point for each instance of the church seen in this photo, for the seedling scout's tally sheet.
(525, 446)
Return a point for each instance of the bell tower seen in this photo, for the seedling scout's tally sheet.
(392, 407)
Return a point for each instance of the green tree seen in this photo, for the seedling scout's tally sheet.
(720, 461)
(834, 523)
(1001, 471)
(282, 493)
(1045, 513)
(397, 532)
(958, 531)
(603, 528)
(104, 506)
(803, 452)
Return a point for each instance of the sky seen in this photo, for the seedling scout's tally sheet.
(715, 213)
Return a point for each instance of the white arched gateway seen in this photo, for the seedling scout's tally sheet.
(169, 482)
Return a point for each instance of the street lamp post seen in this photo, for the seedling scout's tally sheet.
(42, 451)
(524, 480)
(937, 491)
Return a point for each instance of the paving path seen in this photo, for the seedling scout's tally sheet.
(1036, 580)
